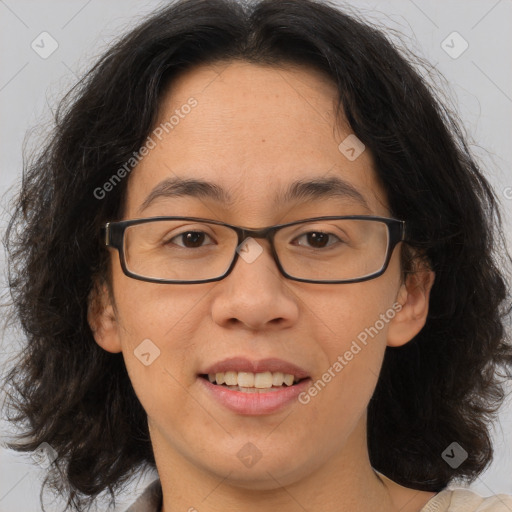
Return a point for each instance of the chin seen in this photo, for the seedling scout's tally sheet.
(265, 473)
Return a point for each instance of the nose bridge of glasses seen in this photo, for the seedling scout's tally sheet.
(250, 251)
(260, 235)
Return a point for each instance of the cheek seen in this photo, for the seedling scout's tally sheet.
(157, 331)
(352, 331)
(159, 350)
(356, 312)
(155, 311)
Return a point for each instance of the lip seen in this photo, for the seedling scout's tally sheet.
(242, 364)
(254, 404)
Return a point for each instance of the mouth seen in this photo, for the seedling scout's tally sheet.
(249, 382)
(250, 387)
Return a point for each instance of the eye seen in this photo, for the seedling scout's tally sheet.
(318, 239)
(190, 239)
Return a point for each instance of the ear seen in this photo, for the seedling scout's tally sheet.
(102, 318)
(413, 297)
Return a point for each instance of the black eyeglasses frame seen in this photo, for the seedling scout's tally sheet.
(113, 235)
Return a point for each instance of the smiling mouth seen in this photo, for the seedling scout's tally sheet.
(248, 382)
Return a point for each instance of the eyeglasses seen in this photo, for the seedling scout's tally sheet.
(188, 250)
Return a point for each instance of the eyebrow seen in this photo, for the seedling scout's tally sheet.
(305, 189)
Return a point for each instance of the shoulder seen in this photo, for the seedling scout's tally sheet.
(150, 500)
(464, 500)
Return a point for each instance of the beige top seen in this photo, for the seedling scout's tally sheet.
(449, 500)
(464, 500)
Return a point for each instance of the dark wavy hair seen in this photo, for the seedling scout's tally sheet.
(445, 385)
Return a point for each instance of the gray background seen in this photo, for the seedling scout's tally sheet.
(479, 85)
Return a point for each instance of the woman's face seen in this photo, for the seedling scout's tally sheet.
(253, 132)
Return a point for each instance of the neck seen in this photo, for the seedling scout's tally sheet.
(345, 482)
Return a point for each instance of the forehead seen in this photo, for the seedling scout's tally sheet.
(252, 130)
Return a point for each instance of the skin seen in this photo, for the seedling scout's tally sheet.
(256, 129)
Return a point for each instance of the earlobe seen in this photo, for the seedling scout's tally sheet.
(413, 297)
(102, 319)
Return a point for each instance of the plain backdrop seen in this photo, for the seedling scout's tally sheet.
(475, 62)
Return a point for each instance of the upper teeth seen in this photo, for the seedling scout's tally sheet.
(252, 380)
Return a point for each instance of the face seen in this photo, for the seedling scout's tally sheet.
(253, 131)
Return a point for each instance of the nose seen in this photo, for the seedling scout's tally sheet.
(255, 294)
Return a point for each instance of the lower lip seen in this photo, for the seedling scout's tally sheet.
(255, 403)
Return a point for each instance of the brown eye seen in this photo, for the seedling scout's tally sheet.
(190, 239)
(318, 239)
